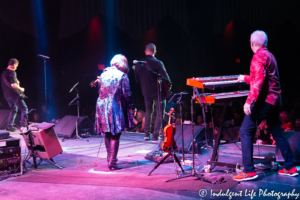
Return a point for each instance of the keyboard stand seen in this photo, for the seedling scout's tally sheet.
(213, 162)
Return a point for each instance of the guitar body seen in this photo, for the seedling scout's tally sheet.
(21, 94)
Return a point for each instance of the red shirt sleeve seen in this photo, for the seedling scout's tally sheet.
(258, 75)
(247, 79)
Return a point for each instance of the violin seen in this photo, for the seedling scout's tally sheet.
(169, 132)
(93, 83)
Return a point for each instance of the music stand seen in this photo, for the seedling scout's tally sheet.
(178, 99)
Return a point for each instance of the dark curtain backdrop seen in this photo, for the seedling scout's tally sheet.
(135, 17)
(19, 15)
(261, 14)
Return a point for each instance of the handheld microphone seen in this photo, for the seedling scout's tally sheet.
(73, 87)
(138, 61)
(42, 56)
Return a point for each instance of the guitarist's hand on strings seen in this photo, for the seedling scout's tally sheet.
(16, 86)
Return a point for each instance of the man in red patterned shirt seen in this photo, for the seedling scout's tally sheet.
(263, 102)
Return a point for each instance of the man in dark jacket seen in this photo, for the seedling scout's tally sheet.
(150, 89)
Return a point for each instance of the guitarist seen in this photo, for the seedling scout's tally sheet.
(12, 93)
(149, 85)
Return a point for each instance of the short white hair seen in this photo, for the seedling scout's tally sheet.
(120, 62)
(259, 38)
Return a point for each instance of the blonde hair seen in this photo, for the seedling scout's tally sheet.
(120, 61)
(259, 38)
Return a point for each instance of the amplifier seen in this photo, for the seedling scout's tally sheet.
(10, 156)
(10, 159)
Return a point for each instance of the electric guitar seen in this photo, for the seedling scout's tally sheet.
(19, 92)
(167, 89)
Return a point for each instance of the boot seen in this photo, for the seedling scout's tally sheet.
(114, 147)
(107, 145)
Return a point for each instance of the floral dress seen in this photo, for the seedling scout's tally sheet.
(115, 102)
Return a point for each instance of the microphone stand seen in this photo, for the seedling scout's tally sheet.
(45, 78)
(77, 120)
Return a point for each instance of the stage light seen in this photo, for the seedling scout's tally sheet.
(101, 67)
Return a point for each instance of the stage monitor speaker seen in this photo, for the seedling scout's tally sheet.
(45, 140)
(294, 141)
(3, 118)
(199, 135)
(66, 127)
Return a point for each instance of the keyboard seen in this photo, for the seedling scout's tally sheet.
(214, 81)
(211, 98)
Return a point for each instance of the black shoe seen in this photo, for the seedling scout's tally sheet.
(146, 138)
(155, 141)
(11, 129)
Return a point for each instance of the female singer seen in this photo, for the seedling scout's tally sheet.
(115, 107)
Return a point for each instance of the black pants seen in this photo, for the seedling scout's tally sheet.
(149, 103)
(15, 103)
(260, 111)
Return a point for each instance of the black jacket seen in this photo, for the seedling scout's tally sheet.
(147, 79)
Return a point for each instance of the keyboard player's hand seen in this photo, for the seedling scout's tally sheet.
(241, 78)
(247, 109)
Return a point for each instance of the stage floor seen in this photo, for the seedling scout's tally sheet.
(81, 179)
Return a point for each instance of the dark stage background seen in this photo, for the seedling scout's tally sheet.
(193, 39)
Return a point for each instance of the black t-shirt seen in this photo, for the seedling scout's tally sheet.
(8, 77)
(147, 79)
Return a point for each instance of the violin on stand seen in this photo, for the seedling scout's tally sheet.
(169, 132)
(169, 144)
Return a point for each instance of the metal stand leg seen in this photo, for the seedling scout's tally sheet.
(170, 148)
(164, 158)
(77, 136)
(35, 165)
